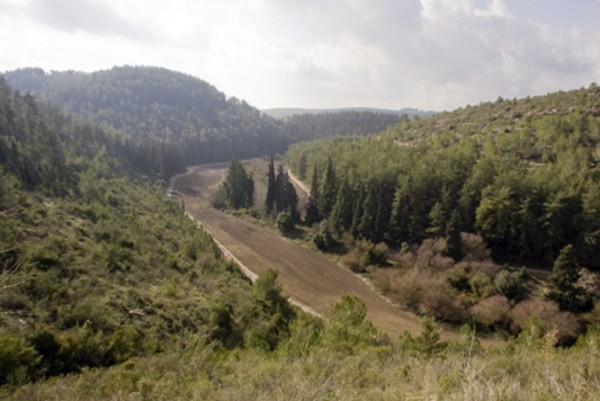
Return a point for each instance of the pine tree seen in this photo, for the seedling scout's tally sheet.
(452, 235)
(357, 211)
(302, 167)
(328, 191)
(271, 188)
(238, 186)
(368, 221)
(286, 199)
(565, 275)
(399, 221)
(343, 210)
(312, 208)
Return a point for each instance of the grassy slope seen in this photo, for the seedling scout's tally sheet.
(119, 274)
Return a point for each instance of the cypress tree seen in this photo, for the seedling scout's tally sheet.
(286, 199)
(328, 191)
(357, 211)
(312, 208)
(271, 188)
(452, 235)
(367, 226)
(238, 186)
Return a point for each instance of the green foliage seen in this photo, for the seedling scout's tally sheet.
(18, 360)
(307, 126)
(269, 314)
(238, 187)
(528, 192)
(427, 344)
(564, 278)
(181, 119)
(327, 190)
(271, 188)
(324, 239)
(346, 325)
(285, 223)
(512, 284)
(312, 207)
(285, 199)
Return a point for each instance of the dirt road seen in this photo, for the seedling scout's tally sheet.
(309, 278)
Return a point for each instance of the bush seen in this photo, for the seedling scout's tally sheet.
(474, 248)
(492, 312)
(512, 284)
(18, 361)
(549, 314)
(323, 239)
(346, 324)
(365, 254)
(377, 255)
(430, 254)
(285, 223)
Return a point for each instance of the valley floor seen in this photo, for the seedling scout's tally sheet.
(309, 278)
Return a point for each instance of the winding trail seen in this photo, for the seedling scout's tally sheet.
(310, 279)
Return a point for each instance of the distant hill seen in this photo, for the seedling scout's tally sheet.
(191, 116)
(283, 112)
(159, 104)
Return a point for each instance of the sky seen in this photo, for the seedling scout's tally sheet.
(426, 54)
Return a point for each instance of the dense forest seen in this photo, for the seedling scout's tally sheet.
(189, 119)
(521, 173)
(489, 214)
(300, 127)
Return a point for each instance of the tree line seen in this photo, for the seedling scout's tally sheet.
(167, 120)
(528, 189)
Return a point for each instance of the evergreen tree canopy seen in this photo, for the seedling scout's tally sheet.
(238, 186)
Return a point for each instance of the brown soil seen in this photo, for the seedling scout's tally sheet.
(307, 277)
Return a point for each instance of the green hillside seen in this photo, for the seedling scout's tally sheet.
(284, 112)
(521, 173)
(159, 105)
(107, 291)
(191, 117)
(487, 215)
(96, 266)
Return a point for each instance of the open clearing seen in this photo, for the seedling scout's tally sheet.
(307, 277)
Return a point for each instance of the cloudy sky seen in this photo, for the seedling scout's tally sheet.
(429, 54)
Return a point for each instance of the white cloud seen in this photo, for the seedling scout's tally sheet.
(435, 54)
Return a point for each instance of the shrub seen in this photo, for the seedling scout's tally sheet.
(377, 254)
(474, 248)
(346, 324)
(285, 223)
(549, 314)
(354, 261)
(492, 312)
(323, 239)
(442, 306)
(18, 361)
(430, 254)
(512, 284)
(365, 254)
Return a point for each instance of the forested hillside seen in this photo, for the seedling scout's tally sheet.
(185, 113)
(95, 265)
(285, 112)
(521, 173)
(110, 292)
(299, 127)
(196, 122)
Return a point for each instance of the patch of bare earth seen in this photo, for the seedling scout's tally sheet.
(307, 277)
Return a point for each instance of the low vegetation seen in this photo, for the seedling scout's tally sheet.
(108, 291)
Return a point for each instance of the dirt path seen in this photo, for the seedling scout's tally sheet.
(307, 277)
